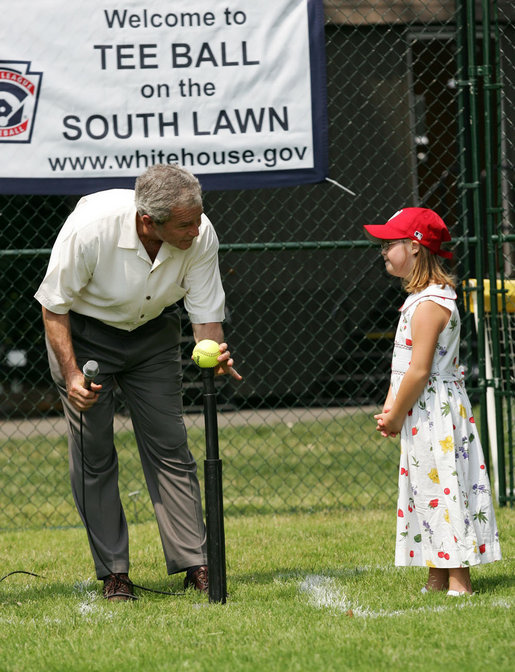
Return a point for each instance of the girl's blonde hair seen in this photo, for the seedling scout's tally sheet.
(428, 270)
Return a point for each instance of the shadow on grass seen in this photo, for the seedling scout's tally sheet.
(16, 594)
(492, 583)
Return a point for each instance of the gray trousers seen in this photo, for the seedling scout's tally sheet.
(146, 365)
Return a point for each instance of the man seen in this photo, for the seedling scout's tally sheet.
(118, 267)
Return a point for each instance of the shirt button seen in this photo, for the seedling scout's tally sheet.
(142, 315)
(148, 298)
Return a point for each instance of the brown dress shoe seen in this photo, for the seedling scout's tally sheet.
(118, 588)
(197, 579)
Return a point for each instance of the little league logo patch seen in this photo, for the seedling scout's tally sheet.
(19, 92)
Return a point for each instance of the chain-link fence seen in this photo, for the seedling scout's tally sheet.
(414, 89)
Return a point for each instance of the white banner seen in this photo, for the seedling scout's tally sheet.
(93, 92)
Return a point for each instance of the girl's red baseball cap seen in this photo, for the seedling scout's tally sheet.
(419, 224)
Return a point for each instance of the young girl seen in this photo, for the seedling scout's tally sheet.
(445, 515)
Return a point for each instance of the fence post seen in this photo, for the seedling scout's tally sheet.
(470, 184)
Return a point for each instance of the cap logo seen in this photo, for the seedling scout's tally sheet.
(418, 235)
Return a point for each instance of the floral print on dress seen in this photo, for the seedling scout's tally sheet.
(445, 515)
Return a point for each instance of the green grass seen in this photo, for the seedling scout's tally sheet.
(310, 526)
(307, 591)
(270, 468)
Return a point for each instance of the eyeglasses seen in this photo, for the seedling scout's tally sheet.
(385, 246)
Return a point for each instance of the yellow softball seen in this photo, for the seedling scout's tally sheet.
(206, 353)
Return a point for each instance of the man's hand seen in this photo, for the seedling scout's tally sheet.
(226, 363)
(214, 332)
(79, 396)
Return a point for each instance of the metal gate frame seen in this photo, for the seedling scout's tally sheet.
(483, 191)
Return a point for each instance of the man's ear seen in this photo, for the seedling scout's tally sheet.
(147, 220)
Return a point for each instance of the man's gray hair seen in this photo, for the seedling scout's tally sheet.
(163, 188)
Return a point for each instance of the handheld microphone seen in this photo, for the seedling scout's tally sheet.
(90, 371)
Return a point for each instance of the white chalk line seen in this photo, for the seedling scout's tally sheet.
(90, 600)
(324, 592)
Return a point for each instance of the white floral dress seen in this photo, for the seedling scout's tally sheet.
(445, 515)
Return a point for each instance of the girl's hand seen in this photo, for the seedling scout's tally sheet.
(390, 398)
(388, 424)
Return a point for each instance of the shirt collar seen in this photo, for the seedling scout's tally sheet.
(129, 238)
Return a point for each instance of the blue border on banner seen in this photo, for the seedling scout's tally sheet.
(223, 181)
